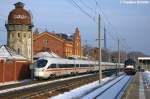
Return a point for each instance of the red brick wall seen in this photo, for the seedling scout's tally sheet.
(22, 70)
(68, 49)
(12, 70)
(9, 71)
(53, 44)
(1, 70)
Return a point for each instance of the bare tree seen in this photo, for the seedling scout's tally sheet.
(135, 54)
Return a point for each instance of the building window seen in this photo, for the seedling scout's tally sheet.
(29, 35)
(18, 50)
(45, 42)
(24, 34)
(18, 34)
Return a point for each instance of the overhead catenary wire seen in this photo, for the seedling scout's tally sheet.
(109, 23)
(87, 6)
(75, 4)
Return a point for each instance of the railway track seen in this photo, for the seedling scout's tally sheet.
(49, 89)
(62, 88)
(116, 87)
(29, 82)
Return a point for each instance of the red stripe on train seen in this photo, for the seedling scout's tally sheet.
(65, 69)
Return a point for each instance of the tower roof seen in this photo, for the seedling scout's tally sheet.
(77, 30)
(19, 5)
(77, 33)
(19, 15)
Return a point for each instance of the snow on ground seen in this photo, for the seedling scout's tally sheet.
(81, 91)
(14, 82)
(36, 84)
(147, 76)
(111, 93)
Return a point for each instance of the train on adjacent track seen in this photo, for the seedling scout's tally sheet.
(130, 68)
(51, 67)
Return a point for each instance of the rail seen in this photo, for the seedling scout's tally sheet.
(122, 90)
(110, 87)
(54, 87)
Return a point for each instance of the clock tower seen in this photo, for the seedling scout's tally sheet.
(77, 43)
(19, 30)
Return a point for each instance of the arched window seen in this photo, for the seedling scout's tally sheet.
(24, 34)
(18, 34)
(45, 42)
(18, 50)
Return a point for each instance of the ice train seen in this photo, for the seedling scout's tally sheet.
(50, 67)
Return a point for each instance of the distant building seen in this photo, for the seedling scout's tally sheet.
(59, 43)
(19, 30)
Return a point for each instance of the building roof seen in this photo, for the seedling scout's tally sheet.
(59, 36)
(47, 33)
(19, 15)
(7, 53)
(46, 54)
(143, 58)
(65, 36)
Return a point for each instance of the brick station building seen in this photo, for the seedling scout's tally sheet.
(61, 44)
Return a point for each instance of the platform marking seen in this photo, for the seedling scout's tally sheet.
(141, 88)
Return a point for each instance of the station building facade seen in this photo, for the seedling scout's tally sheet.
(59, 43)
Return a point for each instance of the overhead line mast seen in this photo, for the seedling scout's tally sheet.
(99, 44)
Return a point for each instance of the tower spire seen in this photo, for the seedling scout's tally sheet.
(77, 30)
(19, 5)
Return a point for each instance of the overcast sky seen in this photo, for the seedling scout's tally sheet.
(130, 22)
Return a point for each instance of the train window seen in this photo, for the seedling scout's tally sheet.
(71, 65)
(60, 65)
(92, 65)
(77, 65)
(66, 65)
(41, 63)
(84, 65)
(52, 66)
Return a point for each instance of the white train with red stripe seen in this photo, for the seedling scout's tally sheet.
(48, 67)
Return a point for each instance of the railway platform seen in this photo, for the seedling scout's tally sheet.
(138, 89)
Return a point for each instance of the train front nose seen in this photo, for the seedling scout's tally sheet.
(38, 73)
(39, 68)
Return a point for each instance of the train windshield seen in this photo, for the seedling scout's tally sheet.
(41, 63)
(129, 62)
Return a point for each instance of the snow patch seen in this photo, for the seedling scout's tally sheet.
(38, 84)
(7, 53)
(81, 91)
(46, 54)
(147, 76)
